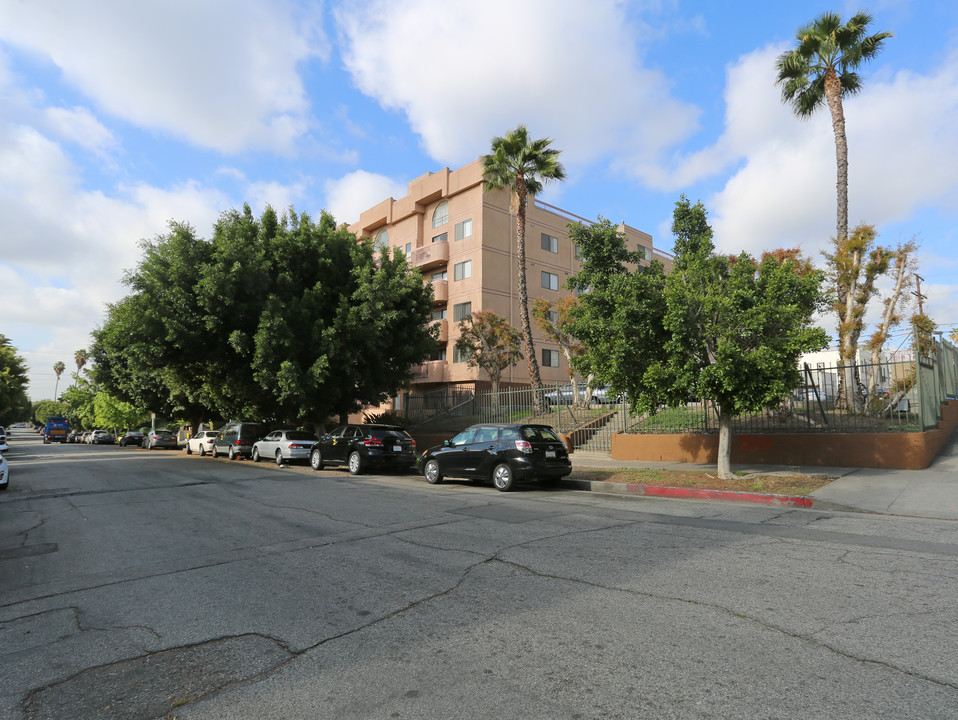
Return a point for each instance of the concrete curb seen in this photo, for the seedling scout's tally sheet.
(613, 488)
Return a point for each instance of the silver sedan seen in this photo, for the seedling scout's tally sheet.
(284, 446)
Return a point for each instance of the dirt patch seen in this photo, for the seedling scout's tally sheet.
(779, 484)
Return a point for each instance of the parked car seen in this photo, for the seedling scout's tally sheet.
(504, 453)
(4, 473)
(102, 437)
(236, 439)
(284, 446)
(132, 437)
(361, 447)
(563, 395)
(201, 443)
(3, 440)
(159, 439)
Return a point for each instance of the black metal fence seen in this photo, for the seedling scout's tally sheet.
(902, 394)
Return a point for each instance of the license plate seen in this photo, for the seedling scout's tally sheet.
(397, 448)
(550, 453)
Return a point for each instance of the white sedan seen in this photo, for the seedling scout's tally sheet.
(284, 446)
(4, 473)
(201, 443)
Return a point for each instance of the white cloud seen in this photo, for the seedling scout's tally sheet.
(347, 197)
(902, 138)
(463, 74)
(78, 125)
(221, 73)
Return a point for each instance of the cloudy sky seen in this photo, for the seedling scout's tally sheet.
(117, 117)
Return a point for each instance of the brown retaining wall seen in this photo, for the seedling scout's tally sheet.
(896, 450)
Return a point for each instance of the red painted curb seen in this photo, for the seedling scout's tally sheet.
(698, 493)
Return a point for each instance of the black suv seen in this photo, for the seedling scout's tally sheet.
(360, 447)
(502, 452)
(236, 439)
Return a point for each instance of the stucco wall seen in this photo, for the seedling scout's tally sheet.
(905, 451)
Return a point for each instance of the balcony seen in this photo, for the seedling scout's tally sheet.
(443, 330)
(432, 371)
(430, 256)
(440, 292)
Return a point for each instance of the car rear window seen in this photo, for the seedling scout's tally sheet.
(300, 435)
(163, 433)
(389, 433)
(536, 432)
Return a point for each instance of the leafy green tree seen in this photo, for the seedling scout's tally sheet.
(555, 324)
(14, 404)
(520, 165)
(725, 330)
(489, 342)
(853, 269)
(78, 404)
(43, 410)
(109, 412)
(279, 319)
(820, 70)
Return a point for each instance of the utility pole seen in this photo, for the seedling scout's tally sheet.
(917, 293)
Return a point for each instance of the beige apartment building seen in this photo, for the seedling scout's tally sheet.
(463, 240)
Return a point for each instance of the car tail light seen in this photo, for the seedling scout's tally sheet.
(412, 443)
(524, 446)
(373, 442)
(299, 446)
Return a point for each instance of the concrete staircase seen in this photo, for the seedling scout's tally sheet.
(601, 441)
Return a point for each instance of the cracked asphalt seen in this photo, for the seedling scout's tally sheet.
(138, 584)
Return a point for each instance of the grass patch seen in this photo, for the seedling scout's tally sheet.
(777, 484)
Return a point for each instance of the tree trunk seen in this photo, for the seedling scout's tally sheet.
(725, 446)
(538, 398)
(833, 94)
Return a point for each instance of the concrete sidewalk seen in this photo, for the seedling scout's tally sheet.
(929, 493)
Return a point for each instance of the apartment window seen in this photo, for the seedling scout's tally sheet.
(554, 317)
(459, 356)
(381, 243)
(464, 229)
(440, 238)
(550, 243)
(462, 270)
(439, 355)
(550, 358)
(461, 311)
(550, 281)
(437, 276)
(578, 253)
(438, 314)
(408, 249)
(644, 252)
(441, 215)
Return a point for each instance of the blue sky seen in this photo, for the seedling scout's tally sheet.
(117, 117)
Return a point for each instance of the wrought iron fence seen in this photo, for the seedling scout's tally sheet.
(897, 395)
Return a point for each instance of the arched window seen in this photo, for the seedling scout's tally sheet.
(381, 243)
(441, 215)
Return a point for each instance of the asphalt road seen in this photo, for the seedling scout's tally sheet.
(139, 584)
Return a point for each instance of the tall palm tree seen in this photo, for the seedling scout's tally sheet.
(821, 70)
(521, 165)
(58, 368)
(80, 357)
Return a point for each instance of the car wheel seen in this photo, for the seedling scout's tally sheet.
(432, 472)
(502, 477)
(202, 451)
(279, 457)
(215, 454)
(189, 450)
(255, 456)
(316, 459)
(232, 453)
(355, 463)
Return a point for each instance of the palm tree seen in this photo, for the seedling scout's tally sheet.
(521, 164)
(80, 357)
(58, 368)
(821, 69)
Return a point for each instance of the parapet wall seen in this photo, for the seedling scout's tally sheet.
(892, 450)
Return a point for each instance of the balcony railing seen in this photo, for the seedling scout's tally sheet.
(440, 291)
(443, 330)
(431, 255)
(431, 371)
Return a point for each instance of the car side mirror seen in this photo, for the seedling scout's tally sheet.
(447, 443)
